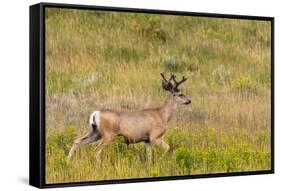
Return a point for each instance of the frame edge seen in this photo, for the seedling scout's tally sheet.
(35, 162)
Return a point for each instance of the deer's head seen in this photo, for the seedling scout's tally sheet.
(172, 86)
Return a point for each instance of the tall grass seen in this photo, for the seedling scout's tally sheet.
(98, 60)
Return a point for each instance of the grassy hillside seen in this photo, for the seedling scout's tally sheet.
(99, 60)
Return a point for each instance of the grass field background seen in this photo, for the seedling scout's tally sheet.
(99, 60)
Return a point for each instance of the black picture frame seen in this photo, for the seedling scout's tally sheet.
(37, 94)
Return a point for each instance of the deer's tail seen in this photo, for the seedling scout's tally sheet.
(95, 121)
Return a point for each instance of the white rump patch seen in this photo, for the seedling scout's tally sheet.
(95, 115)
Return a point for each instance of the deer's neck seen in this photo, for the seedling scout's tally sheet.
(168, 108)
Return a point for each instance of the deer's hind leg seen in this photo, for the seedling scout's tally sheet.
(86, 139)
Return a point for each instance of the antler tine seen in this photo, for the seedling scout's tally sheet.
(176, 83)
(163, 76)
(180, 82)
(166, 83)
(173, 77)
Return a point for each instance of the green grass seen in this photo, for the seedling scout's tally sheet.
(98, 60)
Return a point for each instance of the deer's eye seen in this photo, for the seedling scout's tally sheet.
(181, 95)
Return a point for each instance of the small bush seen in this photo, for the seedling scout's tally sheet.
(154, 31)
(231, 159)
(212, 160)
(61, 141)
(60, 161)
(176, 138)
(184, 159)
(245, 84)
(120, 147)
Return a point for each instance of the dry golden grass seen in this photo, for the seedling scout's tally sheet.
(98, 60)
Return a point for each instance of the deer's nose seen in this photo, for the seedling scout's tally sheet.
(188, 102)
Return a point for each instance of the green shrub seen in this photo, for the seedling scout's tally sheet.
(176, 138)
(232, 158)
(61, 141)
(60, 161)
(153, 30)
(245, 84)
(184, 159)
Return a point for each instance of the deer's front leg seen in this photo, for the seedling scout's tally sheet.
(148, 151)
(160, 142)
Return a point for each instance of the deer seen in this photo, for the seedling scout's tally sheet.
(147, 125)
